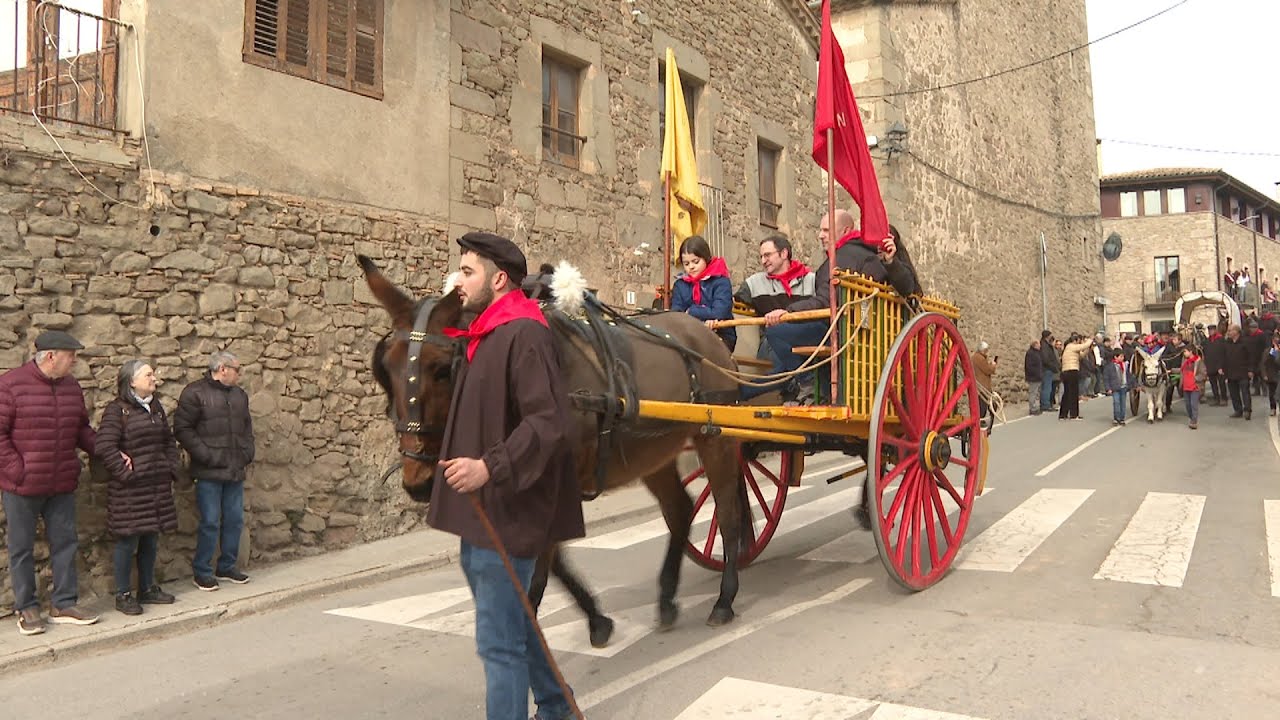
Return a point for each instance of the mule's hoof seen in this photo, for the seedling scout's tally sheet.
(667, 615)
(720, 616)
(601, 631)
(863, 516)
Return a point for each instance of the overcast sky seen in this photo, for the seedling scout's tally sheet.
(1200, 76)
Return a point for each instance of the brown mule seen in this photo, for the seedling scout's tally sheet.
(645, 449)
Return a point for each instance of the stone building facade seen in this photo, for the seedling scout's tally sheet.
(1184, 229)
(245, 170)
(986, 168)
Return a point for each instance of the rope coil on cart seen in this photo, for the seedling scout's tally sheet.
(809, 364)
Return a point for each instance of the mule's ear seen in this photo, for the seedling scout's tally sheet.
(446, 313)
(398, 305)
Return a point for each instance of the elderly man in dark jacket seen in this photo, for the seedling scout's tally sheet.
(1215, 359)
(506, 442)
(212, 423)
(1052, 363)
(1033, 372)
(1239, 369)
(43, 419)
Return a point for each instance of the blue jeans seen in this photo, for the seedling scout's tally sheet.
(1119, 404)
(221, 508)
(506, 642)
(782, 338)
(1046, 390)
(59, 513)
(1192, 399)
(146, 547)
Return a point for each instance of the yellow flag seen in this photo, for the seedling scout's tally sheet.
(688, 214)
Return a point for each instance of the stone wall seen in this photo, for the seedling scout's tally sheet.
(270, 277)
(758, 80)
(989, 166)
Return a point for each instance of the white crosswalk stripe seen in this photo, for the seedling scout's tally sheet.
(1155, 548)
(1012, 539)
(749, 700)
(1271, 512)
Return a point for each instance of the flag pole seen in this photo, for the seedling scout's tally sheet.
(666, 241)
(831, 259)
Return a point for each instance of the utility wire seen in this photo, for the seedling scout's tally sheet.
(997, 197)
(1031, 64)
(1195, 150)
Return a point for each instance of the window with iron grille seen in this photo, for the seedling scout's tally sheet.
(561, 86)
(770, 208)
(335, 42)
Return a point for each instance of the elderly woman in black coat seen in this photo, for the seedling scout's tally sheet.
(135, 444)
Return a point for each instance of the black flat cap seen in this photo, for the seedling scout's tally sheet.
(57, 340)
(498, 249)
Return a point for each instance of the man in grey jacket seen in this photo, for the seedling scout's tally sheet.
(1052, 368)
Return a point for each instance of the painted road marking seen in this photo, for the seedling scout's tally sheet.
(1155, 548)
(1013, 538)
(643, 532)
(1054, 465)
(858, 546)
(749, 700)
(424, 612)
(722, 637)
(1271, 509)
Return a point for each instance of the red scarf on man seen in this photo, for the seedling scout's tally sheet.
(856, 234)
(795, 270)
(512, 306)
(715, 268)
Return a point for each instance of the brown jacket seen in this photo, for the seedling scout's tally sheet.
(983, 369)
(139, 500)
(510, 409)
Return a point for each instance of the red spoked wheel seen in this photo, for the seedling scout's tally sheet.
(920, 494)
(763, 494)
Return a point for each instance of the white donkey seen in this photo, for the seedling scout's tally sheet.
(1152, 379)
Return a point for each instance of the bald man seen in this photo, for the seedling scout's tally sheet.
(853, 256)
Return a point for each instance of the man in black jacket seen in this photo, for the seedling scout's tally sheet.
(1215, 360)
(1238, 370)
(1033, 370)
(212, 424)
(1052, 366)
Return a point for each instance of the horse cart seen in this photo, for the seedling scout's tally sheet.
(906, 400)
(1220, 304)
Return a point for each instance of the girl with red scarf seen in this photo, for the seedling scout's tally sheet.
(703, 290)
(1194, 377)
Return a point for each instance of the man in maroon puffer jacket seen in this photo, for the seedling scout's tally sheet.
(43, 420)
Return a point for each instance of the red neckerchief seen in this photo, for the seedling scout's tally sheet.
(715, 268)
(512, 306)
(785, 277)
(876, 245)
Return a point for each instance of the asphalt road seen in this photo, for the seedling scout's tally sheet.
(1129, 581)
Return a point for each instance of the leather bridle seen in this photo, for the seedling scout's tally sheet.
(412, 422)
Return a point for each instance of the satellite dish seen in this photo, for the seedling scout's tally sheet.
(1112, 246)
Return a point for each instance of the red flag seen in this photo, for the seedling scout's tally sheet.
(837, 110)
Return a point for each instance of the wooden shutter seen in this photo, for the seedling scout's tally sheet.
(337, 42)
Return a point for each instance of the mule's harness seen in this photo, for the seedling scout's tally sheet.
(412, 422)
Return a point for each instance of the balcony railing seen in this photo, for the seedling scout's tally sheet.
(1165, 294)
(64, 65)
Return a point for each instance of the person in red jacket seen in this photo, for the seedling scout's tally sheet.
(43, 419)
